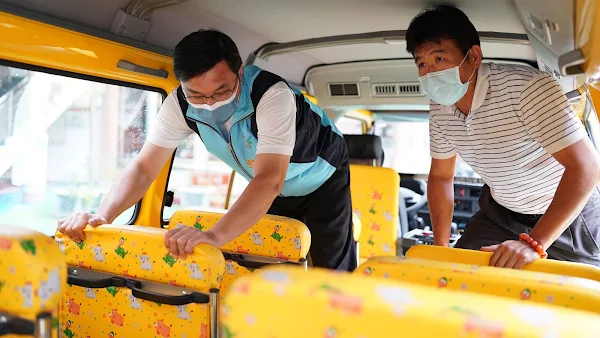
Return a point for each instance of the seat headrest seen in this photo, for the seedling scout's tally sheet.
(365, 147)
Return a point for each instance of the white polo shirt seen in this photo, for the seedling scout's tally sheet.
(275, 121)
(518, 119)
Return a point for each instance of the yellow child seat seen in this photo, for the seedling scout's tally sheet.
(375, 193)
(33, 273)
(273, 240)
(288, 302)
(124, 283)
(545, 288)
(474, 257)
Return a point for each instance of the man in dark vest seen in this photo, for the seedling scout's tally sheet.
(294, 157)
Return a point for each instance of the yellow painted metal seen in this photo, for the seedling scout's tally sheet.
(587, 38)
(39, 44)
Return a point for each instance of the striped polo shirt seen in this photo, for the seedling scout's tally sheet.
(519, 118)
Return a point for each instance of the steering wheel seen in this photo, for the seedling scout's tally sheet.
(413, 197)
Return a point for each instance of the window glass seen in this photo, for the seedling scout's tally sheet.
(63, 141)
(198, 179)
(406, 145)
(591, 122)
(349, 126)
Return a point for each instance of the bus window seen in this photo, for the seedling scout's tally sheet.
(63, 141)
(406, 144)
(198, 179)
(348, 125)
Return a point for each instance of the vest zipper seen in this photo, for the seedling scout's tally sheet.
(228, 143)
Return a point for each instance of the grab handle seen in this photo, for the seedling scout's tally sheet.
(96, 283)
(138, 292)
(15, 325)
(239, 259)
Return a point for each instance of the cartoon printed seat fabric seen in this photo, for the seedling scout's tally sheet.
(276, 237)
(473, 257)
(32, 273)
(318, 303)
(545, 288)
(136, 253)
(375, 200)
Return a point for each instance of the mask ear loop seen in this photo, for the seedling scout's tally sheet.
(463, 61)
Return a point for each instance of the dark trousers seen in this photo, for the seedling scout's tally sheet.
(494, 224)
(327, 212)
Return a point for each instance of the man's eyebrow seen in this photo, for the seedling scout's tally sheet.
(437, 50)
(191, 91)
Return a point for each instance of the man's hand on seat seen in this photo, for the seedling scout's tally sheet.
(181, 241)
(73, 225)
(511, 254)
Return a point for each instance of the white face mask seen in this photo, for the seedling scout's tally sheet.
(216, 105)
(445, 87)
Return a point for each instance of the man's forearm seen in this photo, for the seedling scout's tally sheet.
(440, 199)
(126, 191)
(573, 192)
(250, 207)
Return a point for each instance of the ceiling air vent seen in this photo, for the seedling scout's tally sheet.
(396, 89)
(385, 89)
(343, 89)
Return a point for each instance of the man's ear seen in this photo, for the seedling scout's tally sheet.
(476, 55)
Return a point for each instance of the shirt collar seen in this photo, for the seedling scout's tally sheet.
(481, 87)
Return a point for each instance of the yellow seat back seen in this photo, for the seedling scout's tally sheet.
(273, 237)
(473, 257)
(33, 273)
(545, 288)
(375, 193)
(125, 283)
(288, 302)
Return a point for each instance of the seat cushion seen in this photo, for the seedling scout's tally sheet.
(345, 305)
(481, 258)
(544, 288)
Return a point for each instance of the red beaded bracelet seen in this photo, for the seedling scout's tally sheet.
(534, 245)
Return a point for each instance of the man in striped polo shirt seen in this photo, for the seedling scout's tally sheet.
(514, 126)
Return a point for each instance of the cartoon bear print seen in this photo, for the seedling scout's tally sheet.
(26, 292)
(90, 293)
(230, 268)
(162, 329)
(49, 287)
(145, 260)
(386, 247)
(388, 216)
(297, 243)
(98, 255)
(256, 239)
(73, 307)
(398, 297)
(182, 312)
(195, 271)
(134, 303)
(116, 318)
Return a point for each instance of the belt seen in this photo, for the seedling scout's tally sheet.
(525, 218)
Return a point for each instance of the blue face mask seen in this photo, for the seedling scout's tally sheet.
(219, 112)
(444, 87)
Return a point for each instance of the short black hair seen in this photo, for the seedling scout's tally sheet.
(200, 51)
(441, 22)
